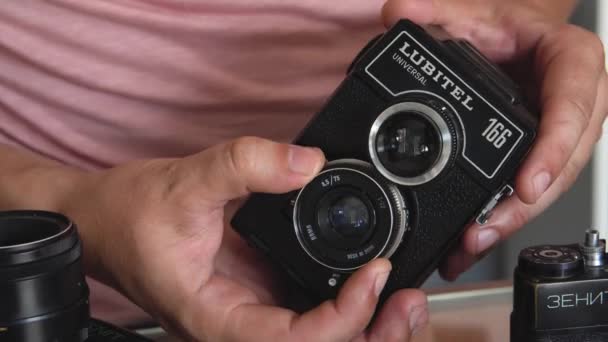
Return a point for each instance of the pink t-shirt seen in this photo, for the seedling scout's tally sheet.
(97, 83)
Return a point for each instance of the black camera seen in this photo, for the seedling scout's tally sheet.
(561, 293)
(423, 136)
(43, 293)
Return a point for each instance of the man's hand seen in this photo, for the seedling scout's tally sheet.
(563, 68)
(156, 231)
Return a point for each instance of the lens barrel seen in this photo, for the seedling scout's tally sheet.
(43, 293)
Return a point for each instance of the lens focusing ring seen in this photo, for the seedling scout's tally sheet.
(43, 292)
(389, 207)
(443, 131)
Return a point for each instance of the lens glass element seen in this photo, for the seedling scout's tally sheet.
(349, 216)
(346, 217)
(408, 144)
(18, 230)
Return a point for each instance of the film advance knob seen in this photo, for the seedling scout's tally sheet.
(593, 249)
(551, 261)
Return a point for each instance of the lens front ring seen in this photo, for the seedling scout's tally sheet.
(60, 221)
(443, 132)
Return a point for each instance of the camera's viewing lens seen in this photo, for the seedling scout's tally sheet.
(408, 144)
(411, 143)
(349, 217)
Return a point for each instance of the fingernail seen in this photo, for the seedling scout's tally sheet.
(486, 238)
(380, 282)
(541, 182)
(419, 317)
(302, 160)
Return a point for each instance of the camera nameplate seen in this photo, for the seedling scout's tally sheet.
(495, 138)
(572, 305)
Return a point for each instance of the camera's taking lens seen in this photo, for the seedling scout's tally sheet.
(43, 294)
(346, 217)
(410, 143)
(349, 217)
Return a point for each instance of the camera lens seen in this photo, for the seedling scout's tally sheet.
(349, 217)
(42, 287)
(346, 217)
(410, 143)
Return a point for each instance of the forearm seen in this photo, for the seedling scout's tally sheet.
(28, 181)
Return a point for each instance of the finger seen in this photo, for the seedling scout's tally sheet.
(341, 319)
(402, 316)
(460, 258)
(513, 214)
(477, 21)
(570, 78)
(436, 12)
(247, 165)
(478, 240)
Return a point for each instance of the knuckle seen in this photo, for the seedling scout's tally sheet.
(520, 216)
(563, 149)
(242, 154)
(598, 132)
(580, 112)
(595, 46)
(602, 107)
(571, 171)
(170, 173)
(564, 136)
(572, 31)
(590, 43)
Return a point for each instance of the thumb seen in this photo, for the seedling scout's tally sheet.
(246, 165)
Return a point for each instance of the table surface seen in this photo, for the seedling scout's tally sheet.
(470, 314)
(476, 313)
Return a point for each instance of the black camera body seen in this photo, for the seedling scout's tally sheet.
(43, 293)
(561, 293)
(422, 137)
